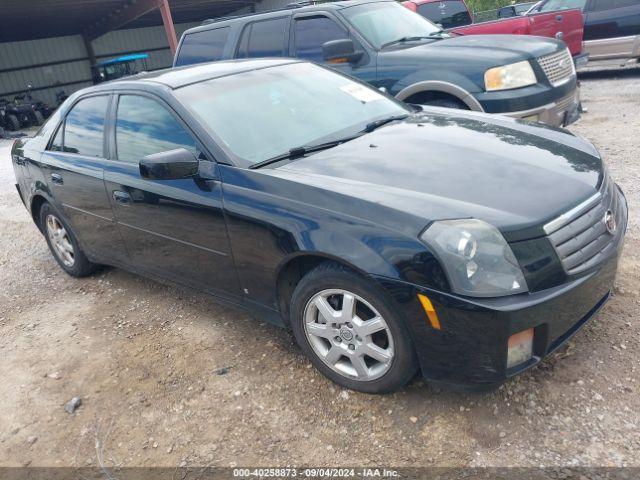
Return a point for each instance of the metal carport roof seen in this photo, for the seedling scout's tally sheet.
(33, 19)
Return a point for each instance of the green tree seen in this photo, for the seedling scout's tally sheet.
(482, 5)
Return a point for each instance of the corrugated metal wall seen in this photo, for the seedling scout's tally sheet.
(62, 63)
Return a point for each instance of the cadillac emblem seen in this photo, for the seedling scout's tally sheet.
(610, 222)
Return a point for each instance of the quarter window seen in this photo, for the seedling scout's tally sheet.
(144, 127)
(263, 39)
(84, 128)
(204, 46)
(56, 143)
(312, 33)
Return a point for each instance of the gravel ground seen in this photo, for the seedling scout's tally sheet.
(170, 378)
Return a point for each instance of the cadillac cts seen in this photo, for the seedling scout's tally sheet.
(387, 237)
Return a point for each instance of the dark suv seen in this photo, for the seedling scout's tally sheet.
(611, 28)
(394, 49)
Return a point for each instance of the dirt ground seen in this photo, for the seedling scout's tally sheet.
(171, 378)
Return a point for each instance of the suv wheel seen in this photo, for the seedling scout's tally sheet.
(350, 331)
(63, 244)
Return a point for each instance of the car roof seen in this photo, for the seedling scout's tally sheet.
(301, 7)
(180, 76)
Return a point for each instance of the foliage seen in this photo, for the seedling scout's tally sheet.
(482, 5)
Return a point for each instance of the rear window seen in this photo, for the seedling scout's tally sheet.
(203, 46)
(263, 39)
(449, 13)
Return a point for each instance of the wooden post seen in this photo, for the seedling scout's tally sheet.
(167, 21)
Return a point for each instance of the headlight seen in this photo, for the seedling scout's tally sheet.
(476, 257)
(507, 77)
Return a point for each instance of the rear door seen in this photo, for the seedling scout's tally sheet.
(72, 166)
(264, 38)
(172, 228)
(612, 28)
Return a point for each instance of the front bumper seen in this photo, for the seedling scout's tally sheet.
(557, 114)
(471, 347)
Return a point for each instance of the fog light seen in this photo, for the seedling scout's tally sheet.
(520, 348)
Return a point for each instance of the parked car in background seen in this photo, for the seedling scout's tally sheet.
(388, 46)
(611, 28)
(455, 16)
(389, 238)
(446, 14)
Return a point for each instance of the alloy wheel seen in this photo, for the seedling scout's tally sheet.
(60, 241)
(348, 334)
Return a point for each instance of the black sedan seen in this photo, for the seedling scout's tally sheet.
(389, 238)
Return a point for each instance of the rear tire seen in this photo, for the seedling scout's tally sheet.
(338, 318)
(14, 124)
(63, 243)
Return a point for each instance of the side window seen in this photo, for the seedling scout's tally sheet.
(263, 39)
(448, 13)
(144, 127)
(311, 33)
(600, 5)
(555, 5)
(84, 127)
(204, 46)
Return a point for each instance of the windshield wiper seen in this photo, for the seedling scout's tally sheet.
(383, 121)
(298, 152)
(407, 39)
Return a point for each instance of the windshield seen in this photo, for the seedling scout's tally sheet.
(382, 23)
(264, 113)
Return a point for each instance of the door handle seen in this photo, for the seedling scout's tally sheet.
(57, 179)
(558, 18)
(122, 198)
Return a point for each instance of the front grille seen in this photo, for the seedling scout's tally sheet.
(580, 237)
(558, 67)
(565, 103)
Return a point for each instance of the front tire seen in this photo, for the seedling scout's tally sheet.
(38, 117)
(351, 332)
(63, 243)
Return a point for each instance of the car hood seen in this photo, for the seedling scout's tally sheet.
(480, 50)
(446, 164)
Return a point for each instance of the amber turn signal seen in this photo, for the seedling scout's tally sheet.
(430, 311)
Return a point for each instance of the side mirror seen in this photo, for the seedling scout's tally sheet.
(340, 51)
(170, 165)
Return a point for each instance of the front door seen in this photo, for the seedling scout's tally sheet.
(173, 228)
(311, 30)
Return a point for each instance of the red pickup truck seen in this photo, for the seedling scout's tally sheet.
(455, 16)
